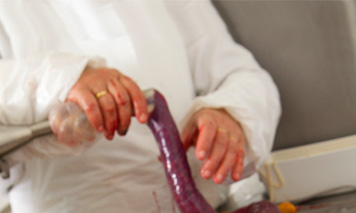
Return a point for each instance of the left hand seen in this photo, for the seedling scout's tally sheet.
(219, 139)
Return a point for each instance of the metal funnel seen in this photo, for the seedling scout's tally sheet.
(13, 138)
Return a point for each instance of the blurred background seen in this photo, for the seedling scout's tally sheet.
(309, 49)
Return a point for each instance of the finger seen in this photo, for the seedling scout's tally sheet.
(239, 159)
(188, 133)
(228, 162)
(207, 130)
(108, 109)
(89, 104)
(217, 154)
(123, 103)
(137, 98)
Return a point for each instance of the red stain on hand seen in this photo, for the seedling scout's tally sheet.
(118, 95)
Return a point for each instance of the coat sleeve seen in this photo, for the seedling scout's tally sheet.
(226, 75)
(29, 88)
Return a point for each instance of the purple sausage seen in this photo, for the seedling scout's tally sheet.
(187, 197)
(175, 163)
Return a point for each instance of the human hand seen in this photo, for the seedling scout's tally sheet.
(219, 140)
(109, 99)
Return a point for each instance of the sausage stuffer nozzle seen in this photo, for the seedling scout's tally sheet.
(13, 138)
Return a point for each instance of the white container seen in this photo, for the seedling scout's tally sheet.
(309, 171)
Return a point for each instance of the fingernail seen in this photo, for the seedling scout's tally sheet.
(123, 132)
(206, 174)
(202, 154)
(110, 137)
(100, 129)
(237, 176)
(219, 178)
(143, 117)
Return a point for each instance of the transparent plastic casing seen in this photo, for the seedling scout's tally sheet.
(69, 122)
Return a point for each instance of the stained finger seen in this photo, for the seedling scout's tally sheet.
(239, 159)
(88, 102)
(137, 98)
(108, 109)
(123, 103)
(218, 151)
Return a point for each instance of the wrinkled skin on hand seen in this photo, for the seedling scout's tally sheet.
(219, 140)
(175, 163)
(107, 113)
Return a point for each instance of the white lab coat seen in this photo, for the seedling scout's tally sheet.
(181, 48)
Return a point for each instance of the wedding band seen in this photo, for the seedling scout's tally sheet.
(222, 130)
(101, 94)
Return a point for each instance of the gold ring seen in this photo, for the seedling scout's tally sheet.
(222, 130)
(101, 94)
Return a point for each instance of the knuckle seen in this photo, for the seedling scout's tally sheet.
(211, 124)
(240, 153)
(221, 142)
(102, 70)
(105, 72)
(124, 79)
(96, 122)
(213, 166)
(90, 106)
(232, 152)
(91, 80)
(124, 96)
(233, 146)
(110, 109)
(216, 159)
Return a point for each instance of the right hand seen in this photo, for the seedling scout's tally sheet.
(113, 110)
